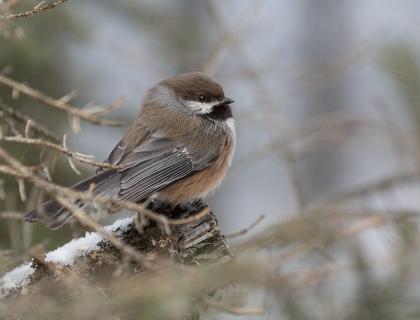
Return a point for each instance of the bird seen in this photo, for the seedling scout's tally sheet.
(178, 149)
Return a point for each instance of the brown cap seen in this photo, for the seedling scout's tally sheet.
(190, 86)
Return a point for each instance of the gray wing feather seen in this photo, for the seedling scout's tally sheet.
(116, 155)
(156, 164)
(149, 150)
(141, 181)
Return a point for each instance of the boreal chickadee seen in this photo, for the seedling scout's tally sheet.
(178, 149)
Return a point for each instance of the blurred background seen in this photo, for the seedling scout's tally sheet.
(327, 98)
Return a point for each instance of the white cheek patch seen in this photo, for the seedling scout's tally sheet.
(201, 107)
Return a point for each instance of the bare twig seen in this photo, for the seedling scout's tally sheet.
(247, 229)
(14, 215)
(71, 163)
(86, 114)
(296, 182)
(22, 192)
(72, 154)
(37, 9)
(24, 119)
(374, 187)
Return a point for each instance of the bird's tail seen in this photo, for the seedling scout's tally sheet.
(54, 215)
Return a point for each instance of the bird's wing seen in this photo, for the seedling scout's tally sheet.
(157, 163)
(123, 148)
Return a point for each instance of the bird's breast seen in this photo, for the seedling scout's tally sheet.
(205, 181)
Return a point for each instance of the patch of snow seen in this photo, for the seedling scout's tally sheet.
(17, 278)
(64, 255)
(120, 223)
(67, 254)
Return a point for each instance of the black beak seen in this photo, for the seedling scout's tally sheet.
(227, 101)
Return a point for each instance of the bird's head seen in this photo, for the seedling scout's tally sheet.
(193, 93)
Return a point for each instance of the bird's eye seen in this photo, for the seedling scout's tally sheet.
(201, 98)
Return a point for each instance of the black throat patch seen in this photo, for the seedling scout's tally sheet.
(219, 113)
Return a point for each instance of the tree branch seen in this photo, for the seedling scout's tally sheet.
(88, 115)
(37, 9)
(24, 119)
(72, 154)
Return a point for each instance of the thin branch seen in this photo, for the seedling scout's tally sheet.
(296, 181)
(72, 154)
(247, 229)
(13, 215)
(22, 192)
(24, 119)
(86, 114)
(374, 187)
(37, 9)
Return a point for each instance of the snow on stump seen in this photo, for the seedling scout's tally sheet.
(95, 259)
